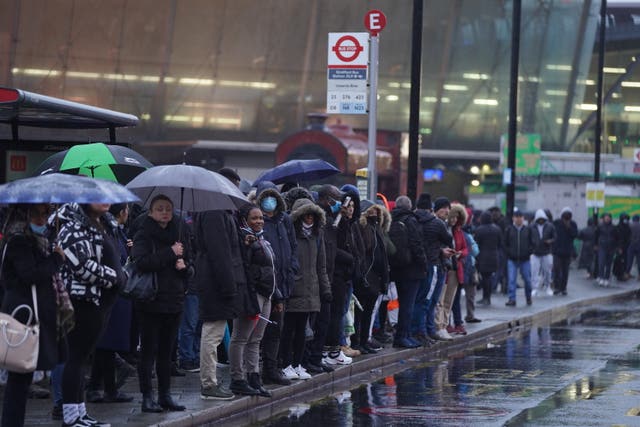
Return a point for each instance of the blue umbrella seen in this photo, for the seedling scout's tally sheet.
(298, 170)
(60, 188)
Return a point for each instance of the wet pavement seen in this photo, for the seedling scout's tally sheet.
(492, 385)
(574, 375)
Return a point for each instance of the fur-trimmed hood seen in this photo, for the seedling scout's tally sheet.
(294, 194)
(267, 191)
(302, 207)
(458, 210)
(384, 217)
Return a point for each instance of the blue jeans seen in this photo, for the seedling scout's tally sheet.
(421, 306)
(188, 335)
(525, 273)
(433, 302)
(605, 259)
(407, 291)
(56, 383)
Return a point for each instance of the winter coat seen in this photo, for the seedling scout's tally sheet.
(376, 276)
(278, 231)
(434, 236)
(470, 260)
(311, 283)
(540, 245)
(607, 237)
(115, 336)
(354, 242)
(330, 242)
(152, 252)
(259, 261)
(220, 274)
(518, 244)
(459, 241)
(417, 270)
(86, 271)
(565, 234)
(25, 263)
(489, 239)
(587, 235)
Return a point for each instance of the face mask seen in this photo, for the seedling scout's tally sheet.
(372, 219)
(38, 229)
(269, 204)
(335, 208)
(307, 226)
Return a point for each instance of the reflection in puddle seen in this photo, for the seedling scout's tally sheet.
(532, 379)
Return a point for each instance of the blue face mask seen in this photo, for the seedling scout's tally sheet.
(38, 229)
(269, 204)
(335, 208)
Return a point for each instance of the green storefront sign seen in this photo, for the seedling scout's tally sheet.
(527, 153)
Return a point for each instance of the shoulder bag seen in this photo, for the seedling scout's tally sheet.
(140, 286)
(19, 343)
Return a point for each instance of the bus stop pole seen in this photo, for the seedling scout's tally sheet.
(372, 176)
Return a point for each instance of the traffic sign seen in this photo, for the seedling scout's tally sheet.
(347, 67)
(375, 21)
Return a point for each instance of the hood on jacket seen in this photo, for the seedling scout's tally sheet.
(458, 210)
(302, 207)
(540, 213)
(566, 209)
(487, 218)
(351, 191)
(270, 191)
(384, 217)
(294, 194)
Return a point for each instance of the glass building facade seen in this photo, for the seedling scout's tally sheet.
(247, 70)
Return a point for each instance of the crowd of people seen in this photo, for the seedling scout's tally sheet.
(293, 284)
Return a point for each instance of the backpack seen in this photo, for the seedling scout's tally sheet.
(399, 235)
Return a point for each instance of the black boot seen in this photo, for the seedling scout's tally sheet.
(254, 382)
(242, 387)
(166, 401)
(149, 405)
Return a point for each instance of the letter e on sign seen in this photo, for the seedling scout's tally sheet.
(375, 21)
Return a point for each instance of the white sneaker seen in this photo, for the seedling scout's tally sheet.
(605, 283)
(341, 359)
(534, 293)
(302, 373)
(549, 291)
(444, 335)
(290, 373)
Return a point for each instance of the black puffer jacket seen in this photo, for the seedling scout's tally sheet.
(259, 262)
(418, 268)
(152, 253)
(376, 273)
(434, 235)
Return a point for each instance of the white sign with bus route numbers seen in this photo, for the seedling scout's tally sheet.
(347, 66)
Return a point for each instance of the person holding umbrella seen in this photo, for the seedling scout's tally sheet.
(157, 249)
(92, 274)
(26, 260)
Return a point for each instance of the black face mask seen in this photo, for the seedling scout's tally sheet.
(372, 219)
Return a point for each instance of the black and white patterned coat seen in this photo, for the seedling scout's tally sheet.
(85, 273)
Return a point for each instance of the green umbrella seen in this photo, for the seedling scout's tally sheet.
(113, 162)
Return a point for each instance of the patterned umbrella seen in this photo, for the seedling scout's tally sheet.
(193, 188)
(60, 188)
(97, 160)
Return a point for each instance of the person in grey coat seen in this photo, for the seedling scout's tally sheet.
(311, 286)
